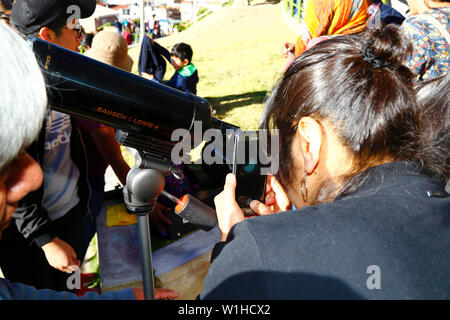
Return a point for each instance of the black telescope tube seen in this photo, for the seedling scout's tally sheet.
(93, 90)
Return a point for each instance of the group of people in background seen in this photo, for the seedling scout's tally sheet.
(130, 29)
(427, 27)
(364, 160)
(153, 57)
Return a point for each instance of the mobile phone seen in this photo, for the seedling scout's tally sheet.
(251, 183)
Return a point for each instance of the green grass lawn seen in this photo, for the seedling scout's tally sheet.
(237, 52)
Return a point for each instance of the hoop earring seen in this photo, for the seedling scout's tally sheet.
(304, 193)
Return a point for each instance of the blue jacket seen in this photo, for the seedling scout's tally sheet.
(185, 79)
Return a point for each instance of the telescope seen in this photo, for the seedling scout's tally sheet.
(145, 113)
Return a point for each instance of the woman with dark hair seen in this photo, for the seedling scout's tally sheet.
(369, 224)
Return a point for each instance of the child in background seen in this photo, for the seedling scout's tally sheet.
(185, 77)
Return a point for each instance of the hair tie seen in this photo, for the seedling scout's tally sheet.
(371, 58)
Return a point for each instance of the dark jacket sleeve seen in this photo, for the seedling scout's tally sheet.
(177, 81)
(158, 55)
(186, 84)
(30, 218)
(161, 50)
(143, 56)
(33, 223)
(232, 266)
(151, 59)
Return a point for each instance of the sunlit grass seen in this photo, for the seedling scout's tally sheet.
(238, 56)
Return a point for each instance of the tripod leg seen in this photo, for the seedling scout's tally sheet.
(146, 256)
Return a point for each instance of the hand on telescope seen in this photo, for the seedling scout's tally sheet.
(228, 211)
(276, 199)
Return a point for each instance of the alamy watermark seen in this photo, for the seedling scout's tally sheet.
(263, 151)
(374, 280)
(73, 21)
(74, 281)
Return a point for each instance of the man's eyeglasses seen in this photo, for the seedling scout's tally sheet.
(79, 29)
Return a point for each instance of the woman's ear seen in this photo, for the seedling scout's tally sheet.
(310, 132)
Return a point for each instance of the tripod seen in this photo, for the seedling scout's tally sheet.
(145, 182)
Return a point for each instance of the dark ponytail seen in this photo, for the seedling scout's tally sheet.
(358, 84)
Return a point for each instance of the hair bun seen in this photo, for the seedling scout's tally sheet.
(385, 46)
(372, 58)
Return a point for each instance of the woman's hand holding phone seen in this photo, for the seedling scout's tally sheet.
(228, 211)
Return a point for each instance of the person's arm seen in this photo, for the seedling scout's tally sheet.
(224, 279)
(33, 223)
(158, 53)
(60, 255)
(104, 138)
(235, 262)
(161, 50)
(177, 81)
(148, 53)
(32, 220)
(143, 56)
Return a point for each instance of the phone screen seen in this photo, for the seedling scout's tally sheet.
(251, 183)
